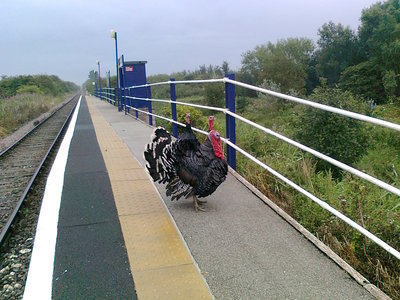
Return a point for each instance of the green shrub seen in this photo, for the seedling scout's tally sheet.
(364, 79)
(390, 84)
(214, 95)
(196, 118)
(339, 137)
(241, 103)
(29, 89)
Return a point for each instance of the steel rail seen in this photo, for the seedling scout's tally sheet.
(12, 217)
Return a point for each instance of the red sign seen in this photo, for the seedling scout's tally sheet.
(128, 68)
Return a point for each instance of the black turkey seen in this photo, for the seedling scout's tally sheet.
(186, 166)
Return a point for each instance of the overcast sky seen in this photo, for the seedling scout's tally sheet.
(65, 38)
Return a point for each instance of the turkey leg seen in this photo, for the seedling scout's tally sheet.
(196, 204)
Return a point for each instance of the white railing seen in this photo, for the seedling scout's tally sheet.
(286, 97)
(322, 156)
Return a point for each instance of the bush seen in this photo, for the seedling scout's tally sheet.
(241, 103)
(196, 118)
(337, 136)
(390, 85)
(364, 79)
(29, 89)
(215, 95)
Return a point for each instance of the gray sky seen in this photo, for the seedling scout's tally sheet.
(65, 38)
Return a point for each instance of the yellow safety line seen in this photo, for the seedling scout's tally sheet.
(161, 265)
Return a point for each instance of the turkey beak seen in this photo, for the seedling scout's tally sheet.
(211, 123)
(187, 118)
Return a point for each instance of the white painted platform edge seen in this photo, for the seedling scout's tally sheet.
(40, 275)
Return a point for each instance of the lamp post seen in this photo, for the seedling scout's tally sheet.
(108, 78)
(98, 64)
(113, 35)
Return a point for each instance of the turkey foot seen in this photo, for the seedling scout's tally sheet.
(201, 201)
(196, 202)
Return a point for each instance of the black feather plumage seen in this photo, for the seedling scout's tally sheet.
(188, 167)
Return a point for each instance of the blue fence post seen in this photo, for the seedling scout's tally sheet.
(128, 101)
(136, 102)
(149, 107)
(230, 121)
(125, 107)
(173, 108)
(123, 100)
(119, 100)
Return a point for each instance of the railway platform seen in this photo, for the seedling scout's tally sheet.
(117, 236)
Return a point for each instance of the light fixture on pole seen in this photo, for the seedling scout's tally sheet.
(98, 64)
(113, 35)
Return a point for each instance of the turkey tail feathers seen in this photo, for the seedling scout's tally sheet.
(176, 188)
(159, 154)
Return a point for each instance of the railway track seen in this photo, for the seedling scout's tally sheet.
(21, 163)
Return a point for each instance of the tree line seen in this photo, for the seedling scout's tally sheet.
(34, 84)
(363, 62)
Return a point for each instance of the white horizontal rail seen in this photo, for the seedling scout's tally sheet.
(177, 82)
(335, 162)
(320, 155)
(332, 109)
(320, 202)
(177, 102)
(317, 105)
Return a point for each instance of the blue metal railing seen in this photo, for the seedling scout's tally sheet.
(231, 116)
(108, 94)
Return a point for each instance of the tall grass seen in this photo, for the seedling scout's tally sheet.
(370, 206)
(21, 108)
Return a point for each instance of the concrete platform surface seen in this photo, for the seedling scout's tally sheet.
(243, 248)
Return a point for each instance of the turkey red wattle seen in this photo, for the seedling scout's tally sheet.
(216, 142)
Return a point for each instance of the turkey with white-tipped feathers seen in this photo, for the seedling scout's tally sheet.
(189, 169)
